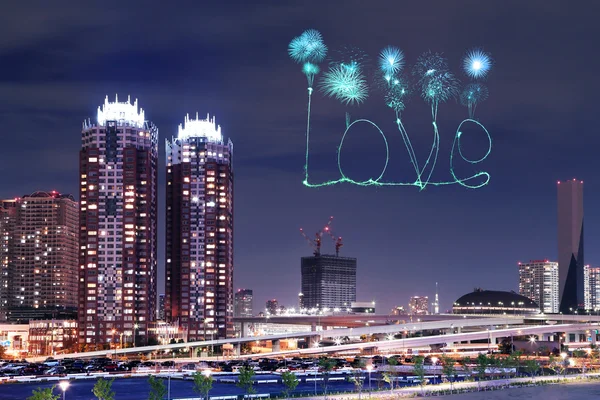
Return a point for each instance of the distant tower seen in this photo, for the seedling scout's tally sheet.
(436, 305)
(570, 245)
(538, 281)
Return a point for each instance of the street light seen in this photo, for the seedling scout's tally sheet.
(64, 385)
(369, 368)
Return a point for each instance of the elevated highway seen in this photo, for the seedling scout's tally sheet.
(316, 336)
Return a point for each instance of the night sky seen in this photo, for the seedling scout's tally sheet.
(229, 59)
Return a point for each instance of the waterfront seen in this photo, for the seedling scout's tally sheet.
(570, 391)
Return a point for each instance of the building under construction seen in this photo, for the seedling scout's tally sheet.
(328, 281)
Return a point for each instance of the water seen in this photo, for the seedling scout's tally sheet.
(571, 391)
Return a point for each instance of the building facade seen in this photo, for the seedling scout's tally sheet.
(51, 337)
(328, 282)
(199, 230)
(272, 307)
(8, 212)
(243, 303)
(118, 225)
(593, 289)
(40, 245)
(538, 281)
(419, 305)
(570, 245)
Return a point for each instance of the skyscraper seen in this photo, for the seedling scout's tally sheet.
(419, 305)
(243, 306)
(328, 281)
(118, 217)
(570, 245)
(538, 281)
(41, 233)
(199, 230)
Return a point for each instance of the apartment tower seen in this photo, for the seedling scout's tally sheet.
(40, 246)
(118, 233)
(199, 230)
(538, 281)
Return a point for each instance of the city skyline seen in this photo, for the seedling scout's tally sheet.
(540, 116)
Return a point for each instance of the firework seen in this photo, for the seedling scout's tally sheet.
(473, 94)
(437, 83)
(477, 63)
(346, 83)
(309, 46)
(391, 61)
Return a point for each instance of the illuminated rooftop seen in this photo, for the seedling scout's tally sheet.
(124, 112)
(206, 128)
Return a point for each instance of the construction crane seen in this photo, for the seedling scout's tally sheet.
(318, 240)
(337, 241)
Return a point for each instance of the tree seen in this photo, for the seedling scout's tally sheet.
(157, 388)
(203, 383)
(245, 380)
(102, 390)
(391, 374)
(448, 370)
(465, 365)
(357, 376)
(419, 371)
(506, 346)
(482, 363)
(532, 367)
(290, 381)
(326, 364)
(43, 394)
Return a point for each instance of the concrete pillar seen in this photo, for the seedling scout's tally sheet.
(237, 349)
(313, 327)
(242, 329)
(275, 345)
(594, 336)
(567, 337)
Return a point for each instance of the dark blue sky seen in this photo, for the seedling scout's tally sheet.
(229, 58)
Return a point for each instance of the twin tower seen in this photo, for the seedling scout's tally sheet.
(118, 259)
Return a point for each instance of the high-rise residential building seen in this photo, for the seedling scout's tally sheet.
(8, 212)
(243, 303)
(199, 230)
(39, 266)
(570, 245)
(272, 307)
(118, 218)
(538, 281)
(593, 292)
(419, 305)
(328, 281)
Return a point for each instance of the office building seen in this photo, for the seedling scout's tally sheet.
(593, 289)
(328, 282)
(272, 307)
(538, 281)
(419, 305)
(118, 217)
(199, 230)
(51, 337)
(570, 245)
(39, 263)
(243, 303)
(399, 310)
